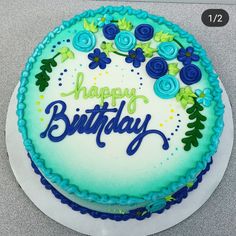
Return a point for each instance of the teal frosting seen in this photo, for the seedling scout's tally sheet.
(121, 200)
(167, 50)
(166, 87)
(125, 41)
(84, 41)
(156, 205)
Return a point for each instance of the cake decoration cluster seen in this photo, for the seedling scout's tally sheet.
(167, 61)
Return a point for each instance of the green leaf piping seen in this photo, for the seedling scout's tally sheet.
(123, 24)
(42, 77)
(192, 136)
(90, 26)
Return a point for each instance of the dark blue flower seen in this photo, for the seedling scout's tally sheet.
(187, 55)
(136, 57)
(98, 58)
(190, 74)
(110, 31)
(156, 67)
(144, 32)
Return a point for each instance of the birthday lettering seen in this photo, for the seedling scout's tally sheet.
(96, 121)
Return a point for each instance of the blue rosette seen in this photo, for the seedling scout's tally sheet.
(144, 32)
(84, 41)
(167, 50)
(110, 31)
(166, 87)
(125, 41)
(156, 67)
(190, 74)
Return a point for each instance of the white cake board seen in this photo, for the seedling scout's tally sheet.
(52, 207)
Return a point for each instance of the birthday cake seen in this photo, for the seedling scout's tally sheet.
(120, 112)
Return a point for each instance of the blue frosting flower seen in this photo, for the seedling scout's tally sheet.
(135, 57)
(84, 41)
(104, 20)
(167, 50)
(186, 56)
(110, 31)
(156, 67)
(125, 41)
(166, 87)
(204, 97)
(144, 32)
(190, 74)
(98, 58)
(156, 206)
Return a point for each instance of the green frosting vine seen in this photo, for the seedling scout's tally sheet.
(163, 37)
(107, 47)
(42, 77)
(196, 126)
(147, 49)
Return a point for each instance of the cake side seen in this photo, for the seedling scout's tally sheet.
(160, 180)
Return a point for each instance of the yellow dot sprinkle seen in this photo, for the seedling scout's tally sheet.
(100, 73)
(172, 110)
(161, 125)
(37, 103)
(106, 72)
(39, 110)
(41, 119)
(41, 97)
(166, 120)
(171, 117)
(94, 78)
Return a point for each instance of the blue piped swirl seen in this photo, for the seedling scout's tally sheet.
(125, 41)
(110, 31)
(84, 41)
(190, 74)
(168, 50)
(156, 67)
(166, 87)
(144, 32)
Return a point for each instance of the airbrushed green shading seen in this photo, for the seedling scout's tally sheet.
(48, 160)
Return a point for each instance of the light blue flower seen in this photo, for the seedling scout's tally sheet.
(104, 20)
(204, 96)
(167, 50)
(84, 41)
(125, 41)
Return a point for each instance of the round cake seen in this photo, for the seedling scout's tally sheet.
(120, 112)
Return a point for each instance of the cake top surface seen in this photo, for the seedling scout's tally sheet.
(121, 103)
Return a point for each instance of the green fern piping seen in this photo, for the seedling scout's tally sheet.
(196, 126)
(42, 77)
